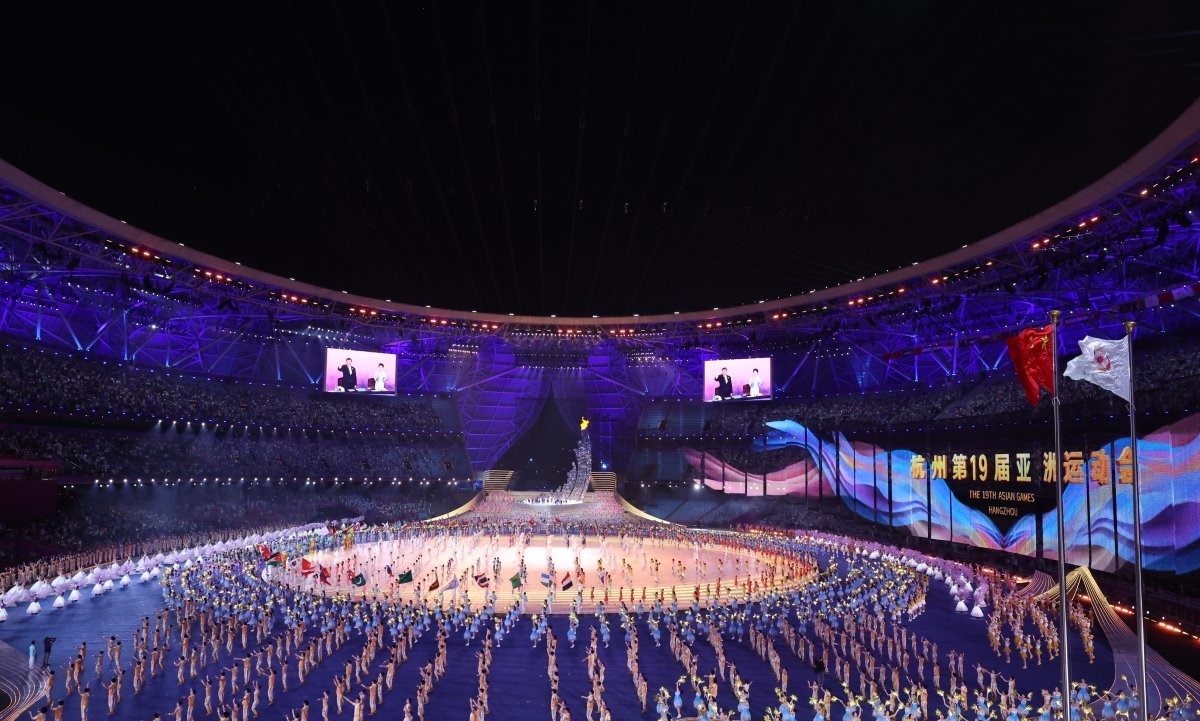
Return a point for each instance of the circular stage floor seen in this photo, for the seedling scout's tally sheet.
(623, 570)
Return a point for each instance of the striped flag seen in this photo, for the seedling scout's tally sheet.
(547, 580)
(566, 581)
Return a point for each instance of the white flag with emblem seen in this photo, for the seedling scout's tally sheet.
(1104, 362)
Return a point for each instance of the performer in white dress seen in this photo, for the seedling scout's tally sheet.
(380, 379)
(755, 384)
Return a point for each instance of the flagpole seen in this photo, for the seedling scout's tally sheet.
(1063, 614)
(1137, 532)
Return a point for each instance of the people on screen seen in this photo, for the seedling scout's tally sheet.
(724, 386)
(349, 379)
(755, 384)
(379, 382)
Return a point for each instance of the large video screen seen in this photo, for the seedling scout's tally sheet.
(356, 371)
(996, 491)
(737, 379)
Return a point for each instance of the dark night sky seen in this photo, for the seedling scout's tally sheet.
(579, 158)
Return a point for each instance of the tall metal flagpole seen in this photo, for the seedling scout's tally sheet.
(1063, 615)
(1137, 532)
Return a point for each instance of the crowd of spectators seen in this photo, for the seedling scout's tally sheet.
(887, 406)
(61, 384)
(167, 454)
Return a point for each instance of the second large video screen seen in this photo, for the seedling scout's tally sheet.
(737, 379)
(357, 371)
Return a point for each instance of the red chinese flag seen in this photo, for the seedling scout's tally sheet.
(1032, 354)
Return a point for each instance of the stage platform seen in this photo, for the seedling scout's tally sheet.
(614, 569)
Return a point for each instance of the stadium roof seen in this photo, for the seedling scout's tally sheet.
(574, 159)
(1115, 198)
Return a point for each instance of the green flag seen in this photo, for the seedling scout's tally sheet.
(515, 580)
(359, 580)
(405, 577)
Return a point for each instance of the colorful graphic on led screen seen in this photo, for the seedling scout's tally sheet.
(897, 487)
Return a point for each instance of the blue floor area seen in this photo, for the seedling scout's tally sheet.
(116, 613)
(519, 683)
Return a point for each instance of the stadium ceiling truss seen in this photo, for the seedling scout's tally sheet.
(1127, 247)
